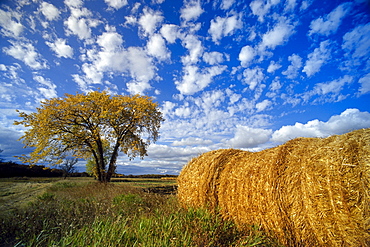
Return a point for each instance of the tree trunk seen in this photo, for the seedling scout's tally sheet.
(112, 162)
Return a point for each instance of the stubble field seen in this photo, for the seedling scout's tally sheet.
(125, 212)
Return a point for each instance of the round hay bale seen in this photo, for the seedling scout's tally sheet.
(198, 181)
(306, 192)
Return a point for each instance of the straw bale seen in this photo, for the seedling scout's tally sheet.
(306, 192)
(199, 178)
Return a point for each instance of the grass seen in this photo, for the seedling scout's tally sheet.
(86, 213)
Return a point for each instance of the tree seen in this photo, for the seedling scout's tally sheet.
(91, 167)
(68, 166)
(82, 123)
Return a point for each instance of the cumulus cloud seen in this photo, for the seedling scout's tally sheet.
(356, 45)
(137, 60)
(195, 80)
(10, 27)
(290, 5)
(329, 91)
(226, 4)
(164, 152)
(157, 47)
(80, 21)
(149, 21)
(27, 53)
(49, 11)
(265, 104)
(329, 24)
(221, 27)
(247, 137)
(195, 47)
(317, 58)
(117, 4)
(253, 77)
(273, 66)
(170, 32)
(296, 64)
(278, 35)
(348, 120)
(60, 48)
(335, 86)
(191, 10)
(365, 84)
(192, 141)
(213, 58)
(110, 41)
(246, 55)
(112, 57)
(262, 7)
(49, 89)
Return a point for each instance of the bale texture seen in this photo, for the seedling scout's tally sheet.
(306, 192)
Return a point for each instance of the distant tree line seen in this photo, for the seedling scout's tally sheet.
(12, 169)
(145, 176)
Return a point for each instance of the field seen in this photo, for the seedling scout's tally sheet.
(125, 212)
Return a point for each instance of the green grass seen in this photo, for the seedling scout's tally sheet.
(86, 213)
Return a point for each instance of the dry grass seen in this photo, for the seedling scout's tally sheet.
(306, 192)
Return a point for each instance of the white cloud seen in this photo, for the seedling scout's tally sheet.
(246, 55)
(261, 7)
(348, 120)
(9, 27)
(93, 75)
(111, 57)
(226, 4)
(278, 35)
(356, 45)
(195, 47)
(73, 3)
(234, 97)
(253, 77)
(221, 27)
(273, 67)
(246, 137)
(156, 47)
(290, 5)
(191, 10)
(335, 86)
(137, 60)
(194, 80)
(78, 27)
(329, 24)
(192, 141)
(329, 91)
(170, 32)
(117, 4)
(317, 58)
(80, 21)
(110, 41)
(296, 64)
(61, 48)
(261, 106)
(27, 53)
(210, 101)
(365, 84)
(274, 88)
(49, 11)
(184, 154)
(50, 90)
(213, 58)
(149, 21)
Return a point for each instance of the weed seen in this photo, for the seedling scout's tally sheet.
(92, 214)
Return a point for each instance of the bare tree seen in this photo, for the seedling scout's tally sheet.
(68, 166)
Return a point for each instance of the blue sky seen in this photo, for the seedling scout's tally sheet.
(226, 73)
